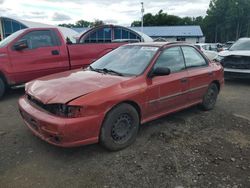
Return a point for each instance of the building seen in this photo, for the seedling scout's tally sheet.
(10, 25)
(191, 34)
(110, 33)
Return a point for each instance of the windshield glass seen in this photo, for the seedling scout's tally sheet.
(8, 39)
(240, 45)
(126, 60)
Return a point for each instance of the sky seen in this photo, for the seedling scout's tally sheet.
(122, 12)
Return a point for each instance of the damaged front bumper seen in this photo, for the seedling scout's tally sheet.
(64, 132)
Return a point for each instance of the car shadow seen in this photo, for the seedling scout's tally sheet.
(13, 94)
(237, 81)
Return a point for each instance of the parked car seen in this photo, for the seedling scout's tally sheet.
(227, 45)
(107, 101)
(236, 60)
(36, 52)
(209, 49)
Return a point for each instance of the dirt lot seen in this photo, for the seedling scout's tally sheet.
(191, 148)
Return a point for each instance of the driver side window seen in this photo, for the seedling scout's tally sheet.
(37, 39)
(171, 58)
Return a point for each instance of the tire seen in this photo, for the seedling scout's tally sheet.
(210, 97)
(2, 88)
(120, 127)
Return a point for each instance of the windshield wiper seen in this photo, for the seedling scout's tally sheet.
(112, 71)
(96, 70)
(105, 70)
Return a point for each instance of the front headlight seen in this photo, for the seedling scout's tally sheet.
(219, 58)
(64, 110)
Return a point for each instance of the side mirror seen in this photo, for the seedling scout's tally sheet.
(159, 71)
(21, 44)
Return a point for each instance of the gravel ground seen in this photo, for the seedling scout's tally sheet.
(191, 148)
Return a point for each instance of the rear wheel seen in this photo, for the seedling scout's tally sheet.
(120, 127)
(2, 88)
(210, 97)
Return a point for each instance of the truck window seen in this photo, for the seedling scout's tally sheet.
(38, 39)
(10, 38)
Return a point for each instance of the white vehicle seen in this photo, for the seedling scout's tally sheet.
(209, 49)
(236, 60)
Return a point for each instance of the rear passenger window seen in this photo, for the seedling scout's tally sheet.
(171, 58)
(38, 39)
(192, 57)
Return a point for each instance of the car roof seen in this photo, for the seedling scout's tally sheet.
(201, 44)
(244, 38)
(156, 44)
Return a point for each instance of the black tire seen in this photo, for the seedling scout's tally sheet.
(120, 127)
(210, 97)
(2, 88)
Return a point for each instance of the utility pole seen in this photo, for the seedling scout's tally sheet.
(142, 12)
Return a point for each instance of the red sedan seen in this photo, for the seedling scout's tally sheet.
(131, 85)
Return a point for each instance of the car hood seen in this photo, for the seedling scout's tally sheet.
(66, 86)
(236, 53)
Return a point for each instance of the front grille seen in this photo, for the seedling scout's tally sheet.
(234, 62)
(51, 108)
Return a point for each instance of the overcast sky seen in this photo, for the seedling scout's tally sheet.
(121, 12)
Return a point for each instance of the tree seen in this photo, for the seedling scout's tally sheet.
(82, 23)
(225, 20)
(160, 19)
(97, 23)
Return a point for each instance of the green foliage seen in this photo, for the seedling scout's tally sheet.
(97, 23)
(161, 19)
(83, 23)
(225, 20)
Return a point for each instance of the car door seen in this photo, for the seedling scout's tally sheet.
(199, 73)
(42, 57)
(171, 88)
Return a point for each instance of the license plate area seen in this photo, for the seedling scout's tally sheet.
(31, 121)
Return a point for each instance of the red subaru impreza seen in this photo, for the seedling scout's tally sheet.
(131, 85)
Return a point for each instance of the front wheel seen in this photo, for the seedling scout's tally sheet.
(120, 127)
(2, 88)
(210, 97)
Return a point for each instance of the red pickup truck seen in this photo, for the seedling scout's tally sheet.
(36, 52)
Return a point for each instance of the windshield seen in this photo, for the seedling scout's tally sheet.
(10, 38)
(127, 60)
(240, 45)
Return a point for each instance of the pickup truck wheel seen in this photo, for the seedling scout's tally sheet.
(120, 127)
(2, 88)
(210, 97)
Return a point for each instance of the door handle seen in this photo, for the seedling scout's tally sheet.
(55, 52)
(210, 73)
(184, 80)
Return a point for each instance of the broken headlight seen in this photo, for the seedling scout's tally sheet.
(64, 110)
